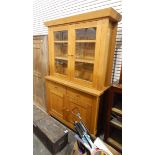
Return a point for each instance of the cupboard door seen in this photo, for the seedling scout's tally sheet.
(59, 52)
(56, 94)
(79, 103)
(85, 52)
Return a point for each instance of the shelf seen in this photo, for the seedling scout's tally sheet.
(61, 58)
(116, 123)
(116, 110)
(62, 41)
(85, 61)
(85, 41)
(114, 143)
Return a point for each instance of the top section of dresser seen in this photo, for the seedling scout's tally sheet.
(81, 49)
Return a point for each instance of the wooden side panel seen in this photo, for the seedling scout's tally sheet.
(103, 55)
(113, 28)
(94, 115)
(97, 52)
(40, 69)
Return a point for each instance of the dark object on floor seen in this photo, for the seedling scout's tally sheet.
(53, 135)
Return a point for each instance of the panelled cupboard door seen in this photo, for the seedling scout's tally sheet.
(56, 99)
(59, 51)
(85, 51)
(40, 69)
(79, 103)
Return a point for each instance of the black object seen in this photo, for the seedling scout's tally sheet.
(82, 132)
(81, 147)
(53, 135)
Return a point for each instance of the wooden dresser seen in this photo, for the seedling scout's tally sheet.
(81, 50)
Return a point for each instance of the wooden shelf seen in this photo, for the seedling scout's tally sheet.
(85, 41)
(62, 41)
(85, 61)
(114, 143)
(116, 123)
(61, 58)
(116, 110)
(77, 60)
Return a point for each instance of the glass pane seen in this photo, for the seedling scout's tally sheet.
(61, 66)
(84, 71)
(86, 34)
(60, 35)
(61, 49)
(85, 51)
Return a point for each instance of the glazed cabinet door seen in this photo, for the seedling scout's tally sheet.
(79, 103)
(59, 51)
(85, 51)
(56, 99)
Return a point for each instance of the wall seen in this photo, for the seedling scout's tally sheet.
(44, 10)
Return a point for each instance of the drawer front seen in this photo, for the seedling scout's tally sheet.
(57, 89)
(82, 99)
